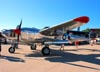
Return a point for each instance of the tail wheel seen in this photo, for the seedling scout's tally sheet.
(11, 50)
(33, 47)
(45, 51)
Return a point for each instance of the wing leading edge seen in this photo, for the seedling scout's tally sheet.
(77, 22)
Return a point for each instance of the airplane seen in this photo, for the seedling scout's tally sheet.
(53, 35)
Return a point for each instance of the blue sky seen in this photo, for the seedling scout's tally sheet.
(41, 13)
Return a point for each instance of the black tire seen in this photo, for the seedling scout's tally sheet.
(11, 50)
(45, 51)
(33, 47)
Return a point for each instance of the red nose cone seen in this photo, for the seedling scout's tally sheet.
(83, 19)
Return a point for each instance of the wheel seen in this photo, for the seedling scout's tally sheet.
(45, 50)
(33, 47)
(11, 49)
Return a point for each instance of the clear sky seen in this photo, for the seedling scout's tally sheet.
(41, 13)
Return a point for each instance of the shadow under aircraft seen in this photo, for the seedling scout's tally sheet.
(69, 58)
(12, 59)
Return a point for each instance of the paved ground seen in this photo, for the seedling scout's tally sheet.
(85, 59)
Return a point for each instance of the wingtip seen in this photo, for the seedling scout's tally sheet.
(83, 19)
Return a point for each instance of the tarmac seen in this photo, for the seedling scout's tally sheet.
(85, 59)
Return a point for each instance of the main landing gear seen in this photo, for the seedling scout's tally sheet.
(45, 50)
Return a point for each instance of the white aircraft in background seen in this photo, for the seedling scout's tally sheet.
(53, 35)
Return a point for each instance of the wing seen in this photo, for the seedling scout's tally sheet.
(65, 26)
